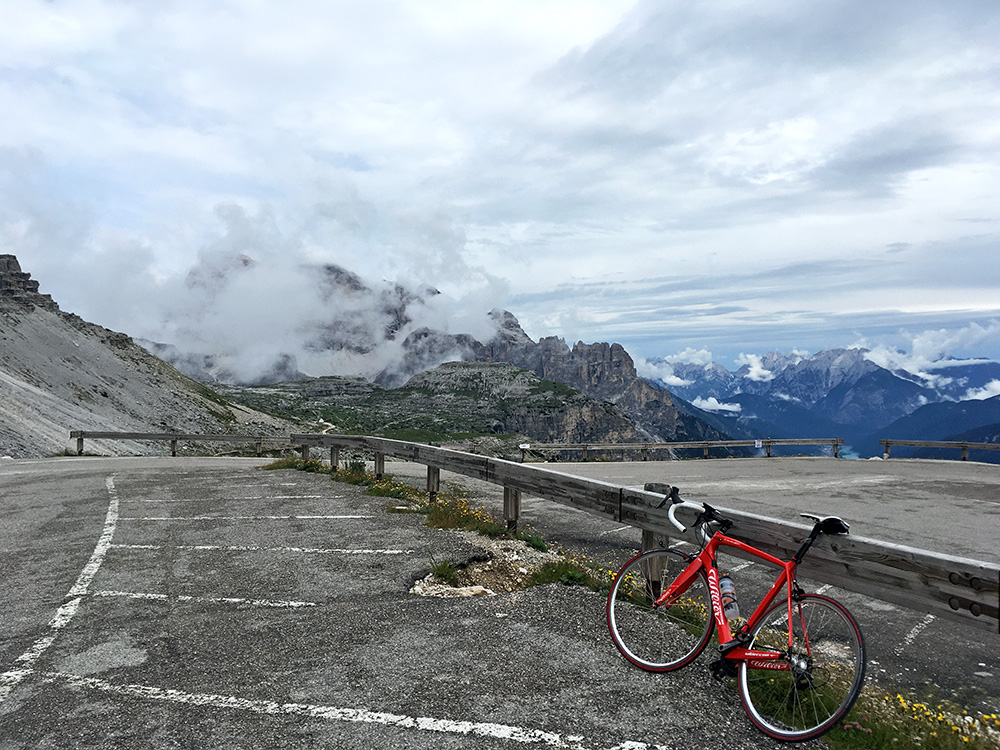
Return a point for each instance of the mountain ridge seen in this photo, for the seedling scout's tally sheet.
(839, 392)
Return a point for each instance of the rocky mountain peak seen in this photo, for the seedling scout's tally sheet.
(18, 288)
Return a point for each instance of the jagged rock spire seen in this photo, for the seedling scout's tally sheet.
(18, 288)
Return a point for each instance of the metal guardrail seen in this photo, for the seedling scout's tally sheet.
(705, 445)
(965, 446)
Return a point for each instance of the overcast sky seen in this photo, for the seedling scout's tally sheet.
(727, 177)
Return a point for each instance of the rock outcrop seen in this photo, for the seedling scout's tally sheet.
(602, 371)
(18, 289)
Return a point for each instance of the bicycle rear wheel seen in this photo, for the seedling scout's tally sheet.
(825, 669)
(659, 639)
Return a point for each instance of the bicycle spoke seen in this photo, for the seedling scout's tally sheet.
(661, 637)
(824, 670)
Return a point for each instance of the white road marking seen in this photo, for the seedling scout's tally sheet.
(291, 497)
(521, 735)
(914, 632)
(25, 662)
(240, 518)
(235, 498)
(266, 603)
(823, 589)
(249, 548)
(620, 530)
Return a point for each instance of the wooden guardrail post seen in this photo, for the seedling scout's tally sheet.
(379, 465)
(173, 448)
(334, 457)
(965, 451)
(304, 452)
(433, 482)
(79, 444)
(511, 507)
(705, 453)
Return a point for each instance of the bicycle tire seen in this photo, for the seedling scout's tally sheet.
(666, 638)
(828, 657)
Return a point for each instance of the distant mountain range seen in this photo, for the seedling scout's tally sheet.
(841, 393)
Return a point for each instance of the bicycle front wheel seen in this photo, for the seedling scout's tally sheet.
(816, 681)
(668, 636)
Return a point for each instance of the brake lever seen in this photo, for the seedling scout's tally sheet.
(672, 496)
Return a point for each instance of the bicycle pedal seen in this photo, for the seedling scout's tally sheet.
(722, 669)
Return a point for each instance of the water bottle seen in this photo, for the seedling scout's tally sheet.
(730, 607)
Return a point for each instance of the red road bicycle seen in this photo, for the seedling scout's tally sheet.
(798, 659)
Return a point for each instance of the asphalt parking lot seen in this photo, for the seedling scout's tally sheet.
(204, 603)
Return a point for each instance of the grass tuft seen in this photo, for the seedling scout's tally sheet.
(880, 721)
(445, 572)
(568, 572)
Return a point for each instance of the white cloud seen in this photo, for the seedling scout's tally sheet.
(756, 370)
(713, 404)
(928, 351)
(691, 356)
(661, 371)
(787, 397)
(989, 390)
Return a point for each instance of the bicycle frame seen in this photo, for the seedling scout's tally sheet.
(705, 560)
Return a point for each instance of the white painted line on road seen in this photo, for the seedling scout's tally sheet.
(823, 589)
(241, 518)
(741, 566)
(290, 497)
(25, 662)
(249, 548)
(520, 735)
(103, 544)
(266, 603)
(912, 635)
(619, 530)
(156, 500)
(237, 497)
